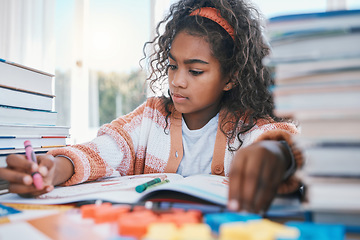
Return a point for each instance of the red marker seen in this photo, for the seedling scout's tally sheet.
(38, 181)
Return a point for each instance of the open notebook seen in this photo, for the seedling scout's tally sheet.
(211, 189)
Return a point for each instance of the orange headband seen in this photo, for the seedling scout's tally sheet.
(214, 15)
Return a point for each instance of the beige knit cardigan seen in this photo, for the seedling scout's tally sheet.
(141, 142)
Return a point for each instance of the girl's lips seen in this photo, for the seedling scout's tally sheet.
(178, 98)
(178, 95)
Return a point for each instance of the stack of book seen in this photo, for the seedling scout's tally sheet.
(316, 64)
(27, 111)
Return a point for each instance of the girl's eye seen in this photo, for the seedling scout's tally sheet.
(172, 67)
(195, 73)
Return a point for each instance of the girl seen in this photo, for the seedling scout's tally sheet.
(217, 117)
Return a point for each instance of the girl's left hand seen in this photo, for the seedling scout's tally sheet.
(256, 172)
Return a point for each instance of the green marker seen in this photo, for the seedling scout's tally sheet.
(157, 184)
(142, 187)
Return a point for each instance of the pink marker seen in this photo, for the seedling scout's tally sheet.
(38, 181)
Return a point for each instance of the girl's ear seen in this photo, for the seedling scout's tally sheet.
(231, 82)
(229, 86)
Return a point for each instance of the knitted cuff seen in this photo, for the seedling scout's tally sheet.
(292, 183)
(77, 177)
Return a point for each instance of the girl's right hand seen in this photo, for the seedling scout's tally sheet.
(18, 174)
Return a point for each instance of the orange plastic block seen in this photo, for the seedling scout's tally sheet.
(103, 215)
(180, 218)
(186, 218)
(141, 214)
(195, 214)
(139, 208)
(135, 224)
(88, 211)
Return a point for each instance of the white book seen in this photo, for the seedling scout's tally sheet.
(17, 98)
(33, 130)
(330, 193)
(18, 142)
(346, 98)
(320, 47)
(9, 115)
(336, 126)
(333, 116)
(339, 66)
(5, 152)
(332, 160)
(320, 77)
(305, 88)
(25, 78)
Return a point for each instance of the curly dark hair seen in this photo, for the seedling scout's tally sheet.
(250, 99)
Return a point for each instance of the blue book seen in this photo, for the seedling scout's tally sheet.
(315, 15)
(317, 23)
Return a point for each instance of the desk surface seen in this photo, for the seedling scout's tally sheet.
(66, 222)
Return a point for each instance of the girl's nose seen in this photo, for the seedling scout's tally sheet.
(178, 79)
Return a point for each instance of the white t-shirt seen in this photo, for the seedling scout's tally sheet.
(198, 148)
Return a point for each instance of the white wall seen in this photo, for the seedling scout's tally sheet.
(26, 33)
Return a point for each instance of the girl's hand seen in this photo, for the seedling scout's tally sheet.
(18, 174)
(256, 172)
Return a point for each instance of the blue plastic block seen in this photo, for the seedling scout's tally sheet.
(214, 220)
(317, 231)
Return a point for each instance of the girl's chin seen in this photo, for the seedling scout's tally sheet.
(181, 108)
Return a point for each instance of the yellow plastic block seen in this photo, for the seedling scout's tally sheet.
(234, 231)
(162, 231)
(196, 231)
(257, 230)
(275, 229)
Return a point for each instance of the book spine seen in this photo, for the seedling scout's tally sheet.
(310, 16)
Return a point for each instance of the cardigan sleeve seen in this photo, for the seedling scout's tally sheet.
(111, 153)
